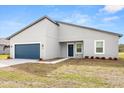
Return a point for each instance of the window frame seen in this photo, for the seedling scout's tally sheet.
(96, 47)
(81, 48)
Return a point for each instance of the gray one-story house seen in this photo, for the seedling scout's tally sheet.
(48, 39)
(4, 46)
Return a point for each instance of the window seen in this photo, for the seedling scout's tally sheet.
(79, 48)
(99, 47)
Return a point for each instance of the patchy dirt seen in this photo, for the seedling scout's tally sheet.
(72, 73)
(8, 69)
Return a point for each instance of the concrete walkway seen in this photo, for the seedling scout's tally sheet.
(10, 62)
(54, 61)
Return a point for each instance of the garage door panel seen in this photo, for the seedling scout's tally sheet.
(28, 51)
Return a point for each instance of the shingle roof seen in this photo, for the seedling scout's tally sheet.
(57, 23)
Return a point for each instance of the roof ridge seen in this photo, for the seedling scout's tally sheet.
(34, 22)
(57, 23)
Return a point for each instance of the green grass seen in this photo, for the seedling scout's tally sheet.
(72, 73)
(121, 55)
(121, 47)
(19, 76)
(95, 81)
(4, 56)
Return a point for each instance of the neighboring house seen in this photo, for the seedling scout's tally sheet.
(48, 39)
(4, 46)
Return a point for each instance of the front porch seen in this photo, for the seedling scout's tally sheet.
(72, 49)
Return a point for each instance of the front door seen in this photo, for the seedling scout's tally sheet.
(70, 50)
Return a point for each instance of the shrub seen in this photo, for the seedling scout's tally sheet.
(110, 58)
(40, 59)
(103, 58)
(9, 57)
(97, 58)
(92, 57)
(87, 57)
(115, 58)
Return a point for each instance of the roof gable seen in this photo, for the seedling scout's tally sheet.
(33, 23)
(99, 30)
(57, 23)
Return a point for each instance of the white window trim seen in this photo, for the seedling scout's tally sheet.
(103, 46)
(81, 48)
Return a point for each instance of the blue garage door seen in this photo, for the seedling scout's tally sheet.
(27, 51)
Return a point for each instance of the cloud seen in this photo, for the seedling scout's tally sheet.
(77, 18)
(108, 19)
(112, 8)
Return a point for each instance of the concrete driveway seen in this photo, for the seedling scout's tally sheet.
(10, 62)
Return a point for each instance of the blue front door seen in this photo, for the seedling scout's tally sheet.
(70, 50)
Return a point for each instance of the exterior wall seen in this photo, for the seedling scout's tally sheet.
(34, 34)
(52, 47)
(71, 33)
(50, 37)
(45, 33)
(64, 49)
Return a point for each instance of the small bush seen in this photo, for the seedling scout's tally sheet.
(92, 57)
(97, 58)
(110, 58)
(103, 58)
(86, 57)
(40, 59)
(8, 57)
(115, 58)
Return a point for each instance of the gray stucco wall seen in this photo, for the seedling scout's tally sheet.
(50, 37)
(45, 33)
(63, 49)
(36, 33)
(64, 46)
(71, 33)
(52, 47)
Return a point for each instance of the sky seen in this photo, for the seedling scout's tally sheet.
(108, 17)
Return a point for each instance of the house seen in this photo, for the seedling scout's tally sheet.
(4, 46)
(48, 39)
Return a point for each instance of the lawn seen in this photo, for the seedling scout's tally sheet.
(121, 55)
(72, 73)
(4, 56)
